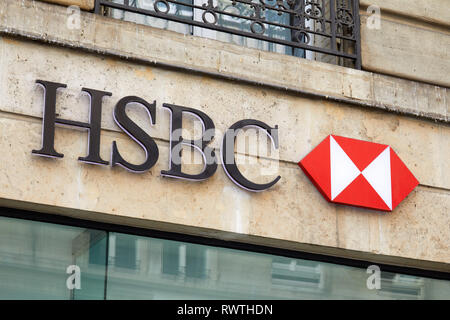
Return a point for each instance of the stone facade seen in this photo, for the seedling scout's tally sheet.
(307, 100)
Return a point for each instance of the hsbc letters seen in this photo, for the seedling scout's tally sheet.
(146, 142)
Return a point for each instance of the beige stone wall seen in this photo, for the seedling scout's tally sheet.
(153, 46)
(413, 40)
(292, 214)
(412, 43)
(307, 100)
(83, 4)
(432, 11)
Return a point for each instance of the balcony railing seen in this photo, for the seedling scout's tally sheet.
(324, 30)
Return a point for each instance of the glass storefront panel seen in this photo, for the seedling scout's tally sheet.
(34, 257)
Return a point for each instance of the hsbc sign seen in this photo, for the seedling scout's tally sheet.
(345, 171)
(147, 143)
(358, 173)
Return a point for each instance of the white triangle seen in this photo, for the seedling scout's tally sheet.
(343, 170)
(378, 174)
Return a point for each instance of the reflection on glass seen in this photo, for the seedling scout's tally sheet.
(125, 251)
(400, 286)
(34, 257)
(89, 253)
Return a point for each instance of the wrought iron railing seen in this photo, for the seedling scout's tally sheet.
(327, 28)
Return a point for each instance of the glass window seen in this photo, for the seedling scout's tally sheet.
(35, 258)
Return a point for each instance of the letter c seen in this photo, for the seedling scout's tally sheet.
(228, 158)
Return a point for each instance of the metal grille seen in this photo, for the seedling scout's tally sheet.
(324, 27)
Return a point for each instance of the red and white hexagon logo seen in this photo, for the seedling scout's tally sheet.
(358, 173)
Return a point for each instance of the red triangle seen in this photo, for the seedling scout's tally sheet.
(361, 194)
(362, 153)
(402, 180)
(316, 165)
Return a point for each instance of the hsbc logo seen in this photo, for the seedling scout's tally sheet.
(358, 173)
(345, 171)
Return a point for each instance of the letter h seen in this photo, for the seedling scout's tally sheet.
(49, 121)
